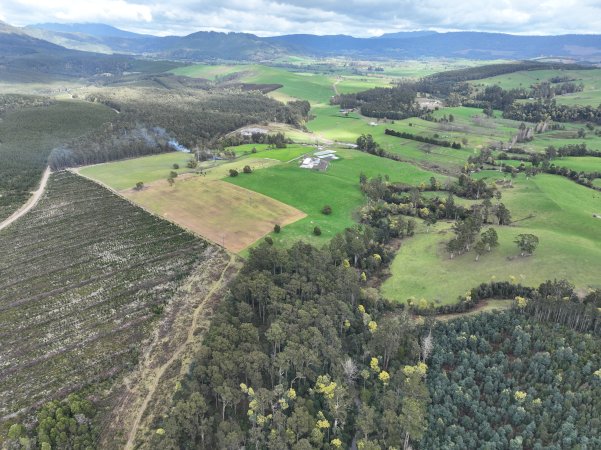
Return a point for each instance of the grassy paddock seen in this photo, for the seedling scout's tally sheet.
(562, 219)
(580, 164)
(591, 79)
(338, 187)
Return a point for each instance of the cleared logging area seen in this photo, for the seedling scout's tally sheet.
(83, 276)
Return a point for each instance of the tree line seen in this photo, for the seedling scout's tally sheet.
(426, 139)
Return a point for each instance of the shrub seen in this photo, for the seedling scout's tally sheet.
(173, 174)
(192, 163)
(277, 228)
(176, 166)
(254, 150)
(139, 186)
(317, 231)
(327, 210)
(247, 169)
(233, 173)
(269, 240)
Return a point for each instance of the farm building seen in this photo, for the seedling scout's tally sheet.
(315, 164)
(326, 154)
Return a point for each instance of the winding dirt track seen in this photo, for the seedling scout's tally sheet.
(30, 203)
(159, 371)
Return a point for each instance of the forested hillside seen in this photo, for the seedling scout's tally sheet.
(152, 120)
(300, 356)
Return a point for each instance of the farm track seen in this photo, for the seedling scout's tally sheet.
(33, 200)
(155, 374)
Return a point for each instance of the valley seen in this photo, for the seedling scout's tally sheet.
(351, 243)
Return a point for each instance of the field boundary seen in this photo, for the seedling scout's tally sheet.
(106, 186)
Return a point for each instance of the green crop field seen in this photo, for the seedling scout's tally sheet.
(292, 151)
(27, 137)
(562, 218)
(350, 84)
(310, 191)
(83, 277)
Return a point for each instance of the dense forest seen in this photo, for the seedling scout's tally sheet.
(392, 103)
(545, 110)
(501, 381)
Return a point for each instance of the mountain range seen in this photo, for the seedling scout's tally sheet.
(52, 38)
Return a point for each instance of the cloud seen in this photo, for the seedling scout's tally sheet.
(21, 12)
(356, 17)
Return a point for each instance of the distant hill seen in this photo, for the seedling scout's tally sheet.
(211, 46)
(406, 34)
(202, 45)
(91, 29)
(456, 44)
(24, 58)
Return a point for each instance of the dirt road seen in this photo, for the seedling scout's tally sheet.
(155, 377)
(30, 203)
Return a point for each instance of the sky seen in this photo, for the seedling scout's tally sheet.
(362, 18)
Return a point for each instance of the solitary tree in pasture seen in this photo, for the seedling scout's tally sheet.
(527, 243)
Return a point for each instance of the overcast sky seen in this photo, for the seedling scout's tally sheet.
(355, 17)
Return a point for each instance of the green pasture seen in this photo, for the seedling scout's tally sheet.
(351, 84)
(580, 163)
(591, 79)
(338, 187)
(329, 123)
(292, 151)
(209, 72)
(428, 66)
(557, 210)
(126, 173)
